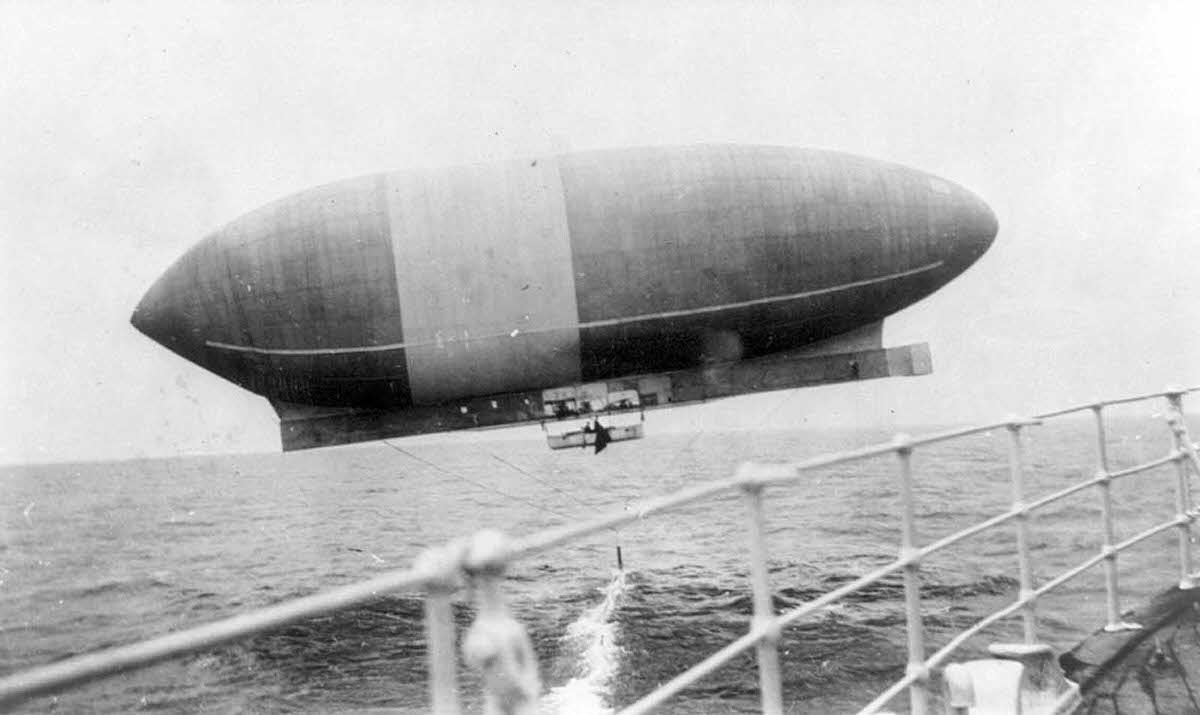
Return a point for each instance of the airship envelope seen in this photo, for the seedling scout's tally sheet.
(545, 288)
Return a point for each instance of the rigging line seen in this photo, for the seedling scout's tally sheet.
(546, 484)
(681, 451)
(475, 483)
(783, 399)
(616, 531)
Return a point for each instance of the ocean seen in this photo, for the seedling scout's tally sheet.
(101, 554)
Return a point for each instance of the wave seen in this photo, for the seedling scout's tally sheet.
(136, 585)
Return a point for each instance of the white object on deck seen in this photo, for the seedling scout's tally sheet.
(1020, 679)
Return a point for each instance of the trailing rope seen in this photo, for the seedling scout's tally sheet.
(783, 399)
(542, 507)
(591, 506)
(546, 484)
(480, 485)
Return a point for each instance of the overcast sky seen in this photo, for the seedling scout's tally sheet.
(130, 131)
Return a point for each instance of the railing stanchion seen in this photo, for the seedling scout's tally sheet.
(443, 677)
(770, 682)
(1112, 592)
(918, 692)
(445, 564)
(1016, 467)
(1182, 491)
(1187, 447)
(496, 644)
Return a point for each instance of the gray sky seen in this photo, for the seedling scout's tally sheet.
(130, 130)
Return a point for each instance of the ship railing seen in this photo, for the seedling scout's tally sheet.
(499, 647)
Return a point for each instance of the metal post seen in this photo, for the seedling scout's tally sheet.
(770, 682)
(1182, 492)
(1187, 448)
(445, 564)
(496, 644)
(1110, 556)
(918, 692)
(1016, 468)
(439, 631)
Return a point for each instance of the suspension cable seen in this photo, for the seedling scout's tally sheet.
(475, 483)
(616, 532)
(783, 399)
(546, 484)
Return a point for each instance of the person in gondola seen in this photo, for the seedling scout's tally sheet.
(602, 435)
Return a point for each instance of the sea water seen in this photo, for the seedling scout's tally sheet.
(103, 554)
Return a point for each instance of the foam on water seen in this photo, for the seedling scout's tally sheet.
(591, 641)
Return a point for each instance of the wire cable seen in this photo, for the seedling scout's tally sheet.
(485, 487)
(543, 483)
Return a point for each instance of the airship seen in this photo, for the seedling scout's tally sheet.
(541, 290)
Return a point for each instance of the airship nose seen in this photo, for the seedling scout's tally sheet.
(168, 316)
(975, 228)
